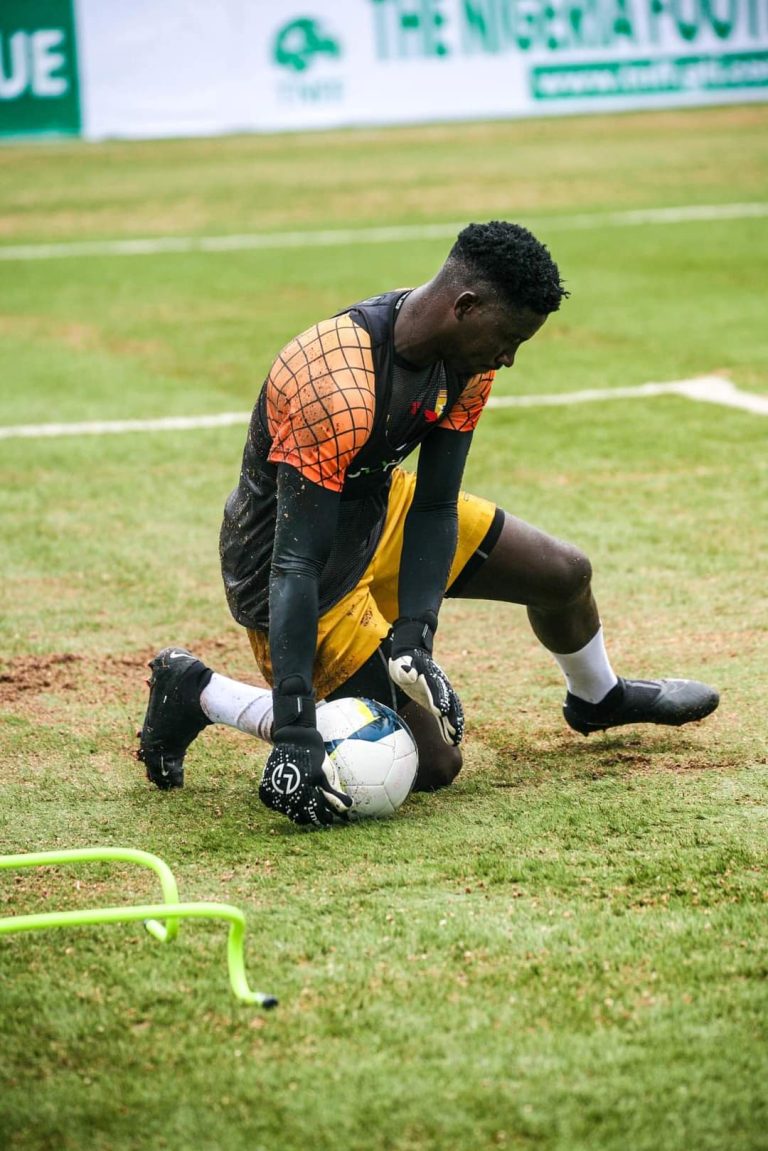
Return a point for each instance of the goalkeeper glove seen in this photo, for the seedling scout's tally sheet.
(299, 779)
(412, 668)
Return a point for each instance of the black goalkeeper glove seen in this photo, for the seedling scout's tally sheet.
(299, 779)
(412, 668)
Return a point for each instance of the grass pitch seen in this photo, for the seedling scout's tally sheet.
(567, 950)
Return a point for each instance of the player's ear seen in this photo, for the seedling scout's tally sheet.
(465, 303)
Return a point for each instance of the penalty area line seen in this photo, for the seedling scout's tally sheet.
(704, 389)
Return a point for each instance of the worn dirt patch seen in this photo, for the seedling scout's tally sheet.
(35, 674)
(30, 683)
(46, 688)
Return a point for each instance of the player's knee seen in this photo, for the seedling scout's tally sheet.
(438, 768)
(570, 574)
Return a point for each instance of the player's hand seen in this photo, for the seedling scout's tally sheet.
(299, 779)
(412, 668)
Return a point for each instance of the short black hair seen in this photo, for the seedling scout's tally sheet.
(511, 259)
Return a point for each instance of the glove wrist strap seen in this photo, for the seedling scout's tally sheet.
(292, 711)
(408, 634)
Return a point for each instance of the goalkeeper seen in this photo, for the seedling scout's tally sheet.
(336, 561)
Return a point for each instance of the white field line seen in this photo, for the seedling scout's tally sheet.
(117, 427)
(708, 389)
(339, 237)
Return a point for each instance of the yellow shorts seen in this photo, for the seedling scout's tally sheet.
(349, 632)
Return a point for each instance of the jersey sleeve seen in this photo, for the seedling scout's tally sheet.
(320, 400)
(467, 409)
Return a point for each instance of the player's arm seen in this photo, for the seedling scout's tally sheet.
(431, 526)
(320, 399)
(429, 545)
(299, 780)
(305, 526)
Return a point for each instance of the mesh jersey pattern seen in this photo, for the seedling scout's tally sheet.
(320, 401)
(332, 408)
(468, 408)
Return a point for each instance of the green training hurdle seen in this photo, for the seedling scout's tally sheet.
(160, 919)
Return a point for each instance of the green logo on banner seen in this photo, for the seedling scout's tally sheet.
(39, 89)
(298, 43)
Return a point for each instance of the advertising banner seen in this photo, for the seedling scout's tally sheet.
(193, 67)
(39, 86)
(372, 60)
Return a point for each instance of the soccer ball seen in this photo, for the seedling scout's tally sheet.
(374, 753)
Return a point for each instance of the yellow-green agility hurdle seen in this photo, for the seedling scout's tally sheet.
(160, 919)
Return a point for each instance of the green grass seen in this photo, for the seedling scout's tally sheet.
(566, 950)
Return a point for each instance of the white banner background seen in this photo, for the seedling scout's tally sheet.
(192, 67)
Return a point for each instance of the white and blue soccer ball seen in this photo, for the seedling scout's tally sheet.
(374, 753)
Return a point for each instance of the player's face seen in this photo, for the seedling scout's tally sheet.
(487, 334)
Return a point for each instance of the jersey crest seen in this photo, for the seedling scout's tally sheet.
(431, 415)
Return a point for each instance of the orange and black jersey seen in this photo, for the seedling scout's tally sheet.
(343, 410)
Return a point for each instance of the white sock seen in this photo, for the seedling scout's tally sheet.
(588, 672)
(239, 705)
